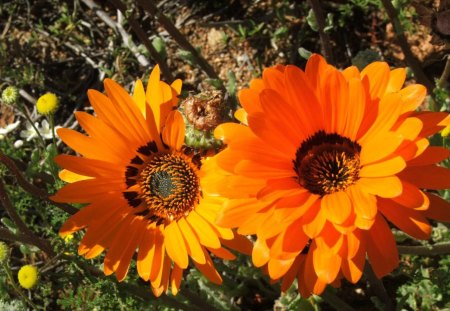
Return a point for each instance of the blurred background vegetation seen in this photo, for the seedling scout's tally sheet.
(68, 47)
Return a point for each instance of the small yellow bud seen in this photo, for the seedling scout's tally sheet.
(9, 95)
(47, 104)
(445, 132)
(28, 276)
(4, 252)
(68, 238)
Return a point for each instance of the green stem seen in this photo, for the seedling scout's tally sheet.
(53, 168)
(425, 250)
(445, 74)
(27, 116)
(17, 288)
(378, 287)
(333, 300)
(52, 128)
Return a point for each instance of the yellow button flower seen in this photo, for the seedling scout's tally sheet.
(9, 95)
(47, 104)
(28, 276)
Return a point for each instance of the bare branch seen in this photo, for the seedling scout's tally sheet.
(324, 38)
(411, 60)
(150, 7)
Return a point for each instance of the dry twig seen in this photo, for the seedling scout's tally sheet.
(412, 61)
(151, 8)
(324, 37)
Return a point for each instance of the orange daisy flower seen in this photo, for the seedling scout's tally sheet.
(142, 188)
(323, 159)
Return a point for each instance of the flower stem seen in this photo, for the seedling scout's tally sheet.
(446, 73)
(51, 164)
(412, 61)
(52, 128)
(425, 250)
(324, 37)
(335, 301)
(16, 287)
(28, 117)
(378, 287)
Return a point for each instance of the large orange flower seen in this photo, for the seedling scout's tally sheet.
(322, 161)
(144, 190)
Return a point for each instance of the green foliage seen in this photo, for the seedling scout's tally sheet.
(160, 46)
(365, 57)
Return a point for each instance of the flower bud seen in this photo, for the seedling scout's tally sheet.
(47, 104)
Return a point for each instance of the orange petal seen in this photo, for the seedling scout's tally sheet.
(412, 96)
(335, 99)
(384, 168)
(205, 233)
(314, 220)
(385, 187)
(337, 207)
(354, 267)
(175, 279)
(249, 98)
(129, 110)
(145, 254)
(278, 267)
(356, 106)
(292, 241)
(377, 72)
(307, 275)
(222, 253)
(371, 151)
(427, 177)
(119, 244)
(241, 115)
(139, 96)
(275, 109)
(408, 220)
(439, 208)
(326, 264)
(193, 246)
(260, 253)
(381, 248)
(173, 132)
(208, 270)
(412, 197)
(388, 112)
(128, 252)
(158, 257)
(302, 97)
(236, 211)
(177, 85)
(396, 80)
(88, 167)
(364, 204)
(240, 243)
(351, 72)
(175, 246)
(431, 155)
(289, 277)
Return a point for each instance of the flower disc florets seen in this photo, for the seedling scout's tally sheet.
(9, 95)
(47, 104)
(28, 276)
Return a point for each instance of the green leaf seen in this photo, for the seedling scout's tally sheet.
(304, 53)
(8, 223)
(160, 46)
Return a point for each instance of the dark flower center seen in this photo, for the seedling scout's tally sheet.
(163, 186)
(327, 163)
